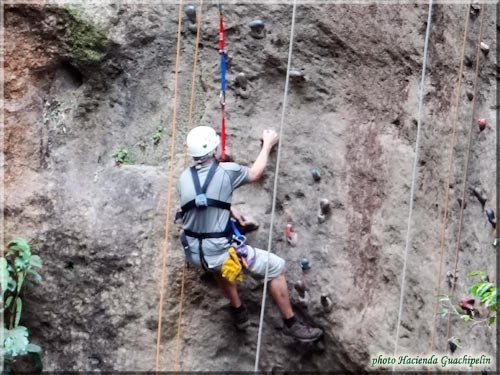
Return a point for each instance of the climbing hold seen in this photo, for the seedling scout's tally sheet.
(326, 302)
(300, 287)
(475, 7)
(495, 242)
(485, 278)
(296, 76)
(466, 303)
(324, 210)
(469, 94)
(324, 205)
(485, 48)
(304, 300)
(190, 11)
(491, 217)
(479, 196)
(452, 346)
(482, 124)
(305, 264)
(257, 29)
(315, 174)
(257, 25)
(290, 235)
(241, 80)
(459, 200)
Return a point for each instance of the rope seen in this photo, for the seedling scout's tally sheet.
(478, 51)
(169, 190)
(190, 125)
(450, 166)
(275, 189)
(414, 177)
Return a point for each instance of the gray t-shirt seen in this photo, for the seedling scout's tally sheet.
(227, 177)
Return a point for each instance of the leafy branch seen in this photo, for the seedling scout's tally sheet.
(16, 269)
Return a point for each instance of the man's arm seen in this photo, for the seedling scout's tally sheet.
(269, 139)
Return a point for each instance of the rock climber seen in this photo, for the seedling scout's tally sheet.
(207, 234)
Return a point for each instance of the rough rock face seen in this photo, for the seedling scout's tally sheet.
(82, 83)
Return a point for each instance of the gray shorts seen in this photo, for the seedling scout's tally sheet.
(276, 264)
(258, 268)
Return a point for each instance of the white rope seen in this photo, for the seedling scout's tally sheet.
(414, 178)
(275, 189)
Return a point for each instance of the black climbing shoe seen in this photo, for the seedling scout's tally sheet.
(303, 332)
(240, 318)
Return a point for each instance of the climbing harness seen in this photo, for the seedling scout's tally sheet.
(275, 188)
(222, 58)
(169, 189)
(414, 178)
(200, 202)
(450, 167)
(459, 236)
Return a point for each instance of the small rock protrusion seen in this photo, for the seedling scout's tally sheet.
(459, 200)
(326, 302)
(193, 28)
(190, 11)
(470, 94)
(495, 242)
(451, 280)
(485, 48)
(300, 287)
(480, 197)
(241, 80)
(468, 61)
(482, 124)
(490, 214)
(257, 29)
(290, 235)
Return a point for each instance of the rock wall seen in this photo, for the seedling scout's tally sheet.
(83, 82)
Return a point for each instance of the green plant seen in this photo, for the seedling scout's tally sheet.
(487, 294)
(122, 157)
(16, 269)
(157, 136)
(482, 289)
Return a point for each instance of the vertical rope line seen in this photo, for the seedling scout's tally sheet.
(169, 191)
(193, 77)
(459, 236)
(450, 168)
(414, 177)
(190, 125)
(275, 189)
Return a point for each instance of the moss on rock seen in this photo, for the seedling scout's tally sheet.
(87, 42)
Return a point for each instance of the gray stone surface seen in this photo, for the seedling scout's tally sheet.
(100, 227)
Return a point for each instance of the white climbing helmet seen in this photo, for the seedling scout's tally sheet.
(202, 140)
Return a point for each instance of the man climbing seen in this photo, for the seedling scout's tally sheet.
(206, 214)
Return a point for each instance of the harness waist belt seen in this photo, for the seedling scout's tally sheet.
(210, 203)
